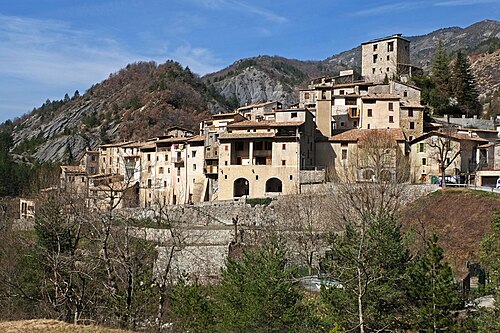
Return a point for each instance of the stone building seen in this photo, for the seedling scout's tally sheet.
(387, 58)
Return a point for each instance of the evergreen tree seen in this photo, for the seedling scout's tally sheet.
(256, 294)
(464, 87)
(441, 75)
(433, 290)
(370, 264)
(191, 307)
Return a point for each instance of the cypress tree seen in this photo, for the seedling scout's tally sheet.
(464, 86)
(441, 76)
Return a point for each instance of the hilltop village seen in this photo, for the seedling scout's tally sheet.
(268, 149)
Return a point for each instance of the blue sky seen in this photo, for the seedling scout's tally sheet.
(52, 47)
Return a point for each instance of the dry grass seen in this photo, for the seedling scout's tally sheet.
(461, 218)
(51, 326)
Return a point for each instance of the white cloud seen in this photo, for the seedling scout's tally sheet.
(453, 3)
(243, 7)
(45, 59)
(388, 8)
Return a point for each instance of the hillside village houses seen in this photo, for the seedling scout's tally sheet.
(266, 150)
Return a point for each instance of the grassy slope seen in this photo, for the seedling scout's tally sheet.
(461, 218)
(50, 326)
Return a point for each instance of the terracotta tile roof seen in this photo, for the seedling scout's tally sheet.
(408, 104)
(455, 136)
(72, 168)
(354, 135)
(196, 138)
(258, 105)
(250, 135)
(380, 96)
(116, 144)
(264, 124)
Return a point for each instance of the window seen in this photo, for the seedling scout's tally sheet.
(225, 162)
(375, 58)
(342, 124)
(390, 46)
(157, 158)
(421, 147)
(168, 170)
(225, 176)
(283, 147)
(149, 183)
(355, 123)
(164, 183)
(375, 47)
(291, 177)
(149, 157)
(323, 94)
(368, 126)
(166, 157)
(412, 125)
(424, 161)
(405, 93)
(391, 119)
(256, 177)
(391, 106)
(373, 70)
(83, 179)
(178, 171)
(149, 169)
(293, 115)
(388, 58)
(193, 153)
(370, 113)
(194, 167)
(344, 154)
(160, 170)
(283, 162)
(387, 69)
(341, 92)
(410, 112)
(306, 95)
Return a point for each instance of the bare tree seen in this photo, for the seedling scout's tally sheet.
(445, 149)
(370, 184)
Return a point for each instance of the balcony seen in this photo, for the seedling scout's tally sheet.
(178, 162)
(211, 169)
(354, 113)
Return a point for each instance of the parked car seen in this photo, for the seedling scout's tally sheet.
(313, 283)
(498, 183)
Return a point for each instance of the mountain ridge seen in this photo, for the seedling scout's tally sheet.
(144, 98)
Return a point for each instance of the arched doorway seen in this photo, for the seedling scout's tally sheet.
(274, 185)
(240, 187)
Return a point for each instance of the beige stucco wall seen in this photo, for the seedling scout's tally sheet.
(380, 114)
(257, 175)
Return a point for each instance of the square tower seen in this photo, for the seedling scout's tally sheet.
(385, 57)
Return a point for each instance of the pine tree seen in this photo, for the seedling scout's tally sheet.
(432, 290)
(371, 264)
(441, 76)
(464, 87)
(256, 294)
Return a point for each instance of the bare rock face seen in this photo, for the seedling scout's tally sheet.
(68, 148)
(486, 69)
(255, 86)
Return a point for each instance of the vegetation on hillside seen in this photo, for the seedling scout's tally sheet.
(450, 88)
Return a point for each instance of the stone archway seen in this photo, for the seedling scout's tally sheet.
(274, 185)
(241, 187)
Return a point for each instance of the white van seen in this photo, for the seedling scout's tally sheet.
(498, 183)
